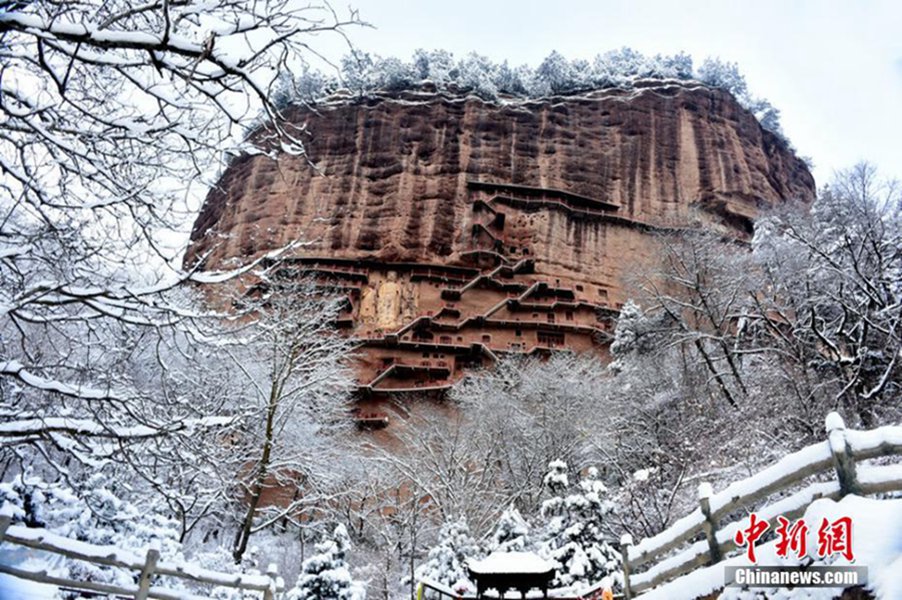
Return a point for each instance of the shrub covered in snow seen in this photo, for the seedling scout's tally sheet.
(573, 537)
(512, 533)
(446, 562)
(326, 575)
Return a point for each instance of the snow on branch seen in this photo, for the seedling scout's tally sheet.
(16, 369)
(29, 427)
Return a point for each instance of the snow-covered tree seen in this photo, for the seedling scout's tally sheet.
(365, 74)
(512, 80)
(645, 500)
(114, 116)
(394, 74)
(358, 72)
(553, 76)
(526, 412)
(767, 115)
(305, 88)
(439, 457)
(512, 533)
(635, 333)
(437, 66)
(478, 74)
(800, 319)
(391, 519)
(297, 386)
(700, 294)
(676, 66)
(326, 575)
(724, 75)
(623, 65)
(830, 315)
(574, 536)
(446, 562)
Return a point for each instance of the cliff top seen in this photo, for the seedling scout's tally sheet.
(362, 75)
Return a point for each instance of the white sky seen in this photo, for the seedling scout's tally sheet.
(834, 69)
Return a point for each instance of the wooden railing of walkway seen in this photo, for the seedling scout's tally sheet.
(839, 453)
(144, 568)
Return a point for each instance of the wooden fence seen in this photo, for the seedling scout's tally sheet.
(837, 454)
(144, 569)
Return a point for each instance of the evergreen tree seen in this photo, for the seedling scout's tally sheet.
(573, 534)
(553, 76)
(512, 534)
(626, 333)
(512, 80)
(447, 561)
(325, 575)
(478, 74)
(677, 66)
(437, 66)
(724, 75)
(393, 74)
(357, 71)
(624, 65)
(637, 334)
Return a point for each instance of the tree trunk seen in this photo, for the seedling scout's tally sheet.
(244, 532)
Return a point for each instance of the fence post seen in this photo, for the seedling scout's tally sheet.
(272, 571)
(626, 540)
(842, 455)
(710, 525)
(150, 564)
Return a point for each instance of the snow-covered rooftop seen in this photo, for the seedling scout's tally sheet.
(511, 562)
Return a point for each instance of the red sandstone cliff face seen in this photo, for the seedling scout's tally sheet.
(467, 229)
(390, 179)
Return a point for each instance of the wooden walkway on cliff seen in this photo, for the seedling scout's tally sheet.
(574, 205)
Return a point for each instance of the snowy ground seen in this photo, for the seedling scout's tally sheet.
(877, 544)
(12, 588)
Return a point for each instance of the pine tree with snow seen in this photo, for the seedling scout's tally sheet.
(557, 481)
(437, 66)
(478, 73)
(627, 330)
(358, 72)
(326, 575)
(553, 76)
(637, 334)
(512, 80)
(677, 66)
(724, 75)
(446, 562)
(393, 74)
(512, 533)
(573, 537)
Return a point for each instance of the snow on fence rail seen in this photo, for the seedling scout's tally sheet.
(39, 539)
(840, 452)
